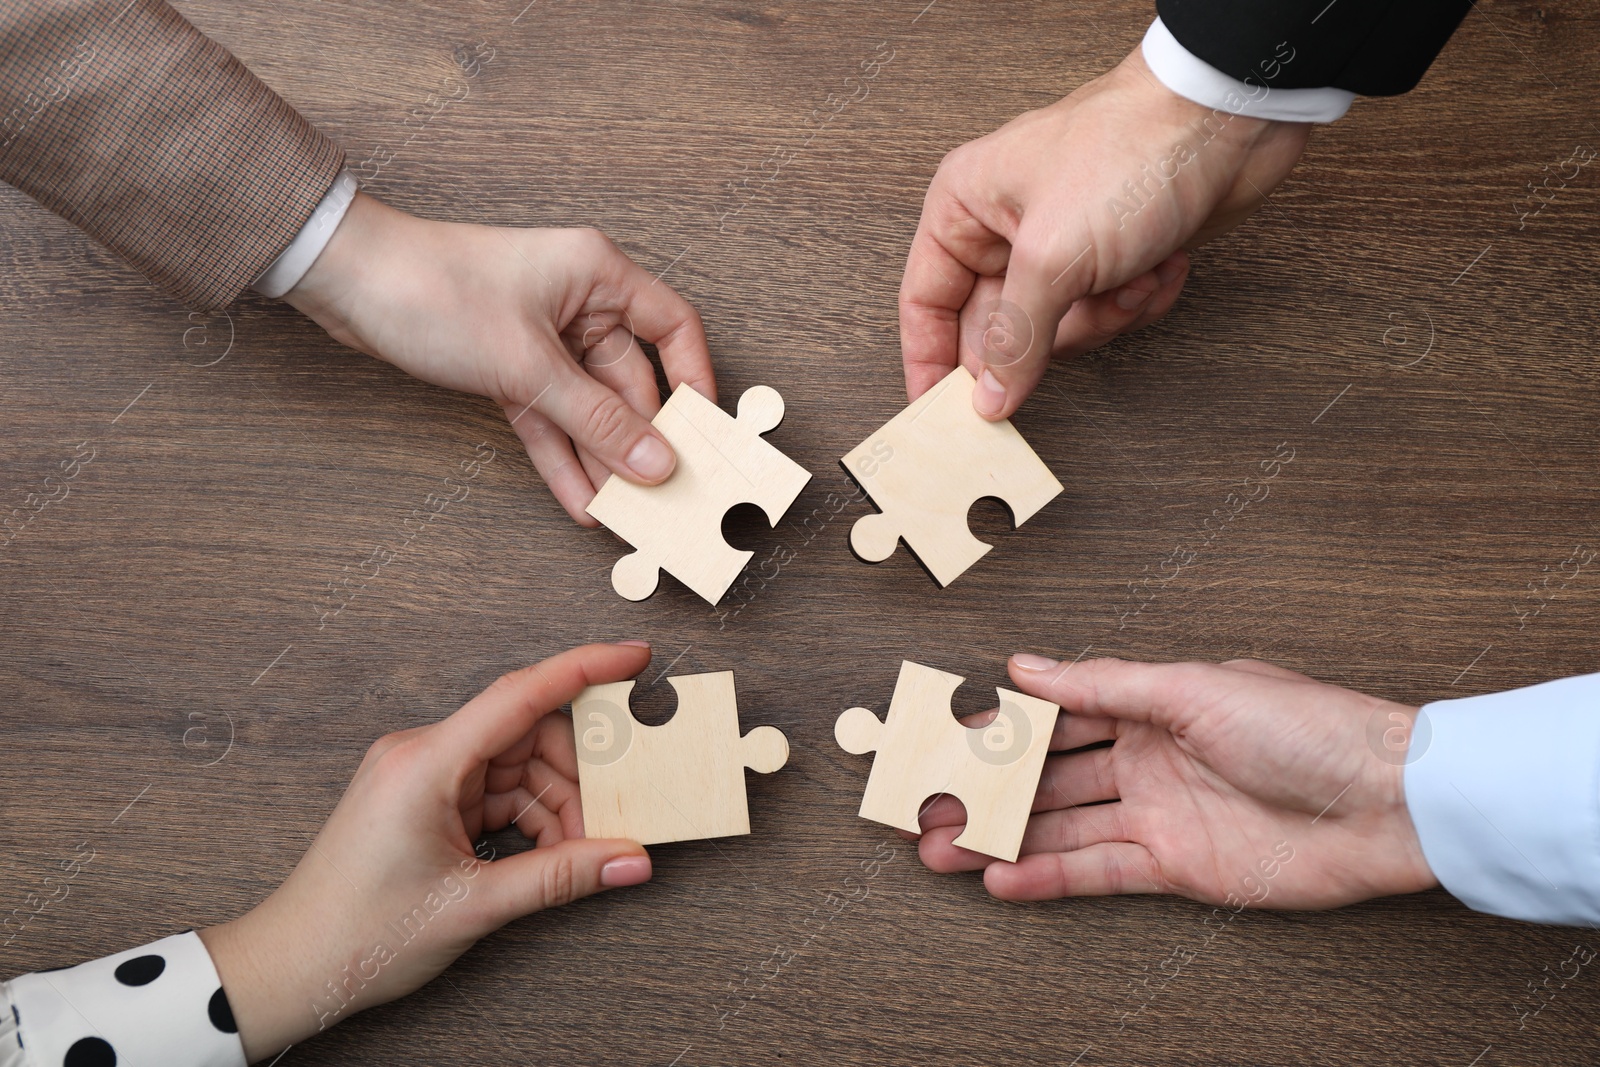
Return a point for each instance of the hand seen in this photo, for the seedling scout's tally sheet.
(392, 892)
(546, 323)
(1067, 226)
(1239, 783)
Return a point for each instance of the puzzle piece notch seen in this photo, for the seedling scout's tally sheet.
(928, 465)
(922, 750)
(677, 526)
(680, 781)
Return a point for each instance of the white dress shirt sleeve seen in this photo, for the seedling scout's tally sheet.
(1504, 791)
(291, 265)
(1194, 79)
(160, 1004)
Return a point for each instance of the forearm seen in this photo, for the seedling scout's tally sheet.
(1504, 789)
(133, 125)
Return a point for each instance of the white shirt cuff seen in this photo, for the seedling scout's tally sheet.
(287, 270)
(1194, 79)
(1505, 797)
(162, 1003)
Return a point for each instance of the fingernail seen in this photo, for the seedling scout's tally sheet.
(1029, 662)
(990, 396)
(651, 458)
(640, 644)
(1168, 269)
(625, 870)
(1129, 298)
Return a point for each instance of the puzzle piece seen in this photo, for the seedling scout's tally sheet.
(682, 781)
(677, 526)
(926, 467)
(923, 750)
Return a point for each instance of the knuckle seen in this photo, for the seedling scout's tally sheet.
(1115, 875)
(557, 881)
(378, 749)
(1190, 680)
(609, 424)
(593, 240)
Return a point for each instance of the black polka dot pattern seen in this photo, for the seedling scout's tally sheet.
(221, 1012)
(157, 1006)
(90, 1052)
(141, 970)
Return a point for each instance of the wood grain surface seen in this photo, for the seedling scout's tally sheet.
(181, 696)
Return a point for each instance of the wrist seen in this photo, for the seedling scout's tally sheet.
(355, 253)
(1406, 866)
(264, 971)
(1177, 111)
(247, 983)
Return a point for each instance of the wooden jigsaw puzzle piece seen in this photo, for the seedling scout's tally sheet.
(926, 467)
(922, 750)
(677, 526)
(681, 781)
(776, 479)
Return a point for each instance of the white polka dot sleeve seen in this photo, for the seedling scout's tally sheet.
(157, 1006)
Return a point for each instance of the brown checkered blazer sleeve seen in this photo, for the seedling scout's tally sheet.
(130, 123)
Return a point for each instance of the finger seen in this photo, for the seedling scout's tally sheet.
(1097, 319)
(942, 811)
(1074, 828)
(1080, 778)
(1267, 670)
(539, 788)
(1049, 831)
(952, 248)
(499, 717)
(550, 877)
(596, 418)
(552, 456)
(1099, 870)
(1075, 731)
(657, 314)
(1173, 274)
(980, 323)
(939, 854)
(935, 288)
(1070, 731)
(611, 356)
(1165, 694)
(1044, 279)
(525, 811)
(618, 361)
(594, 470)
(556, 746)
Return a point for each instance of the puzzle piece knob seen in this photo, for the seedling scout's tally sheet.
(761, 409)
(858, 731)
(765, 749)
(873, 538)
(634, 577)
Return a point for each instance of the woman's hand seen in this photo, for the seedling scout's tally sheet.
(392, 891)
(1240, 783)
(546, 323)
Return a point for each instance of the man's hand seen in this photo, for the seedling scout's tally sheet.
(546, 323)
(392, 891)
(1240, 783)
(1067, 226)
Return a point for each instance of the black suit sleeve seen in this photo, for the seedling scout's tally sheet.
(1370, 47)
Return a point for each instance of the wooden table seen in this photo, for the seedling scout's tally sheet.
(1427, 355)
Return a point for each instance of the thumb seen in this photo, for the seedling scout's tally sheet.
(559, 874)
(1013, 337)
(596, 418)
(1163, 694)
